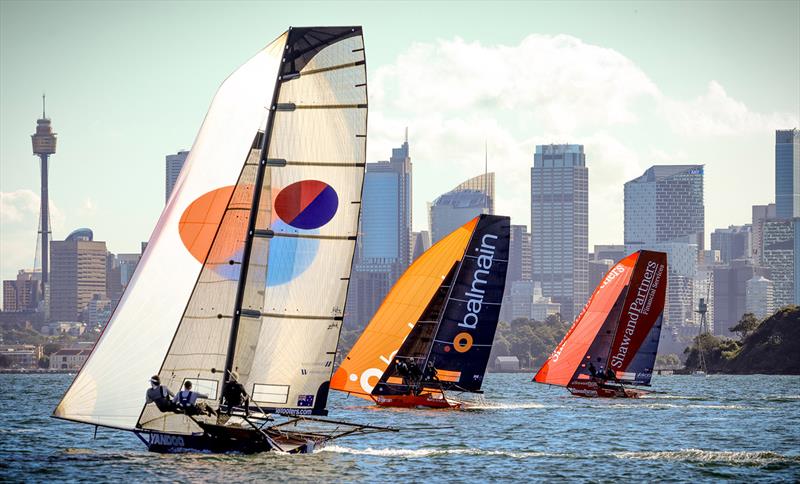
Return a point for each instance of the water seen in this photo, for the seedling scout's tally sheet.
(745, 428)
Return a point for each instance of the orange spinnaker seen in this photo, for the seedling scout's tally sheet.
(399, 312)
(561, 365)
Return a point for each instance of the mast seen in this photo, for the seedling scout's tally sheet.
(251, 228)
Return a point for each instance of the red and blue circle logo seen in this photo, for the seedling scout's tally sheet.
(302, 208)
(307, 204)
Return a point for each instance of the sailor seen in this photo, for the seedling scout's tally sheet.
(160, 395)
(186, 400)
(432, 374)
(610, 374)
(402, 369)
(592, 370)
(234, 394)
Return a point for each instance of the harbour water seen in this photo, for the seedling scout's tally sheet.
(745, 428)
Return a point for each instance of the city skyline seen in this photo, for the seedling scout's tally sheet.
(112, 145)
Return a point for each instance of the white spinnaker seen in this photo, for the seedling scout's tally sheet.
(322, 139)
(109, 389)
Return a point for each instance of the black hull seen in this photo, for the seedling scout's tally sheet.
(246, 442)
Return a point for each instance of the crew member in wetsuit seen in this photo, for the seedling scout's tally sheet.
(415, 374)
(592, 370)
(234, 394)
(610, 375)
(431, 373)
(186, 400)
(160, 395)
(401, 367)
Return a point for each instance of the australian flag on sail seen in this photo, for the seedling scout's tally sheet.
(305, 400)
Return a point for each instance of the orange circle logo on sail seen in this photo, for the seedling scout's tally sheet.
(462, 342)
(201, 219)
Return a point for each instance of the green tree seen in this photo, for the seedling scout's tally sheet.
(746, 326)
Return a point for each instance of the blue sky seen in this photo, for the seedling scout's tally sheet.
(638, 83)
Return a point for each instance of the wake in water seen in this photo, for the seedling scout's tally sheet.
(745, 458)
(428, 452)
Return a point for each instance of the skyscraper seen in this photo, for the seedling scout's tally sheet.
(460, 205)
(759, 300)
(79, 273)
(173, 165)
(384, 247)
(787, 173)
(778, 256)
(560, 225)
(761, 213)
(733, 242)
(664, 211)
(730, 293)
(519, 267)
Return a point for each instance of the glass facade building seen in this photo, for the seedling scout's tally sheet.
(560, 225)
(787, 173)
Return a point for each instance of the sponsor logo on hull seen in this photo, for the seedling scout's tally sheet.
(166, 440)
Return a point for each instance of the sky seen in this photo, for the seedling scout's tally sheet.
(637, 83)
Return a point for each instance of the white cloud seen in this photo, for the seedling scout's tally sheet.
(454, 94)
(716, 113)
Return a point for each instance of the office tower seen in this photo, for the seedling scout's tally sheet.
(787, 173)
(614, 252)
(113, 278)
(735, 242)
(384, 247)
(664, 211)
(44, 145)
(482, 183)
(778, 256)
(543, 306)
(422, 242)
(460, 205)
(22, 293)
(761, 213)
(560, 225)
(519, 265)
(78, 274)
(759, 298)
(127, 264)
(520, 301)
(174, 163)
(598, 270)
(730, 293)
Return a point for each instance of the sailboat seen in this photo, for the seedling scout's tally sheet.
(245, 276)
(434, 330)
(613, 342)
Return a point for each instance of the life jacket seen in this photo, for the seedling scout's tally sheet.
(185, 398)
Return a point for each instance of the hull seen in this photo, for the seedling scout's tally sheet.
(424, 400)
(592, 389)
(243, 440)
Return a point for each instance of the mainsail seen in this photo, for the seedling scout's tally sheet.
(619, 327)
(450, 301)
(246, 273)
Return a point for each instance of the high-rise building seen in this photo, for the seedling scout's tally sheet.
(542, 306)
(560, 225)
(519, 265)
(44, 145)
(78, 274)
(384, 247)
(482, 183)
(127, 264)
(735, 242)
(22, 293)
(761, 213)
(730, 293)
(598, 270)
(664, 211)
(787, 173)
(174, 163)
(614, 252)
(778, 256)
(759, 299)
(422, 242)
(460, 205)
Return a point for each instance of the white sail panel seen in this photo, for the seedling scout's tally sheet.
(109, 390)
(319, 136)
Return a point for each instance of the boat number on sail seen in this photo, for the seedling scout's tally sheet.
(639, 307)
(479, 280)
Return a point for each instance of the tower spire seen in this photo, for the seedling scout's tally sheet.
(43, 116)
(406, 134)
